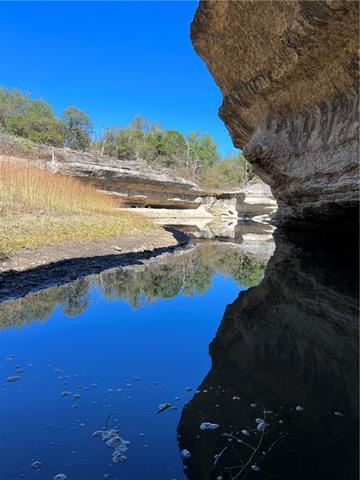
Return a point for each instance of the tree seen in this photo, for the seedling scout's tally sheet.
(202, 151)
(38, 123)
(77, 128)
(108, 142)
(12, 103)
(232, 172)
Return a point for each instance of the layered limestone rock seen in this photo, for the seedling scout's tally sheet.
(288, 72)
(137, 184)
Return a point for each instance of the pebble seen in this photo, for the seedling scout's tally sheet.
(299, 408)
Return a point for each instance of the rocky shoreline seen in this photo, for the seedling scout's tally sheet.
(88, 257)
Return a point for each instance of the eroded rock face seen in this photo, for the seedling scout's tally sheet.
(289, 77)
(135, 183)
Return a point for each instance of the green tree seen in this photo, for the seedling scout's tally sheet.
(77, 128)
(232, 172)
(12, 103)
(202, 152)
(38, 123)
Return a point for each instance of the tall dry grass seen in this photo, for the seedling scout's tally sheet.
(39, 208)
(27, 188)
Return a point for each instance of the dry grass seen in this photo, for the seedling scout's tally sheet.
(28, 188)
(39, 208)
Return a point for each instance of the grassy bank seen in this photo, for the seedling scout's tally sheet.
(39, 208)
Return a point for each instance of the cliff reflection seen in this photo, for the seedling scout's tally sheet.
(283, 382)
(189, 271)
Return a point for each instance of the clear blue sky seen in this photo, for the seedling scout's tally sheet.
(113, 60)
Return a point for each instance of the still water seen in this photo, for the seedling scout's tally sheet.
(86, 366)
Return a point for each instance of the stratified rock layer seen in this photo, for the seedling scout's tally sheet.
(288, 72)
(135, 183)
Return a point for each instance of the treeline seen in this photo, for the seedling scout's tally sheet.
(35, 119)
(195, 155)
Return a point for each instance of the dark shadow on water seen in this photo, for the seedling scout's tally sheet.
(288, 347)
(15, 284)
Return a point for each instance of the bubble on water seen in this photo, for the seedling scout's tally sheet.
(66, 393)
(209, 426)
(262, 426)
(256, 468)
(185, 453)
(113, 440)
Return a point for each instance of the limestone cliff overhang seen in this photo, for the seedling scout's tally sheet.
(288, 71)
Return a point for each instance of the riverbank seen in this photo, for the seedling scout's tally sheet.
(43, 210)
(107, 250)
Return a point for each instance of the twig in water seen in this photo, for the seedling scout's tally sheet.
(219, 455)
(255, 450)
(107, 419)
(239, 440)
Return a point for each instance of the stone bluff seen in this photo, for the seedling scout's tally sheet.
(288, 72)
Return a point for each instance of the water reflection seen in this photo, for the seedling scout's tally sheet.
(282, 385)
(283, 381)
(188, 271)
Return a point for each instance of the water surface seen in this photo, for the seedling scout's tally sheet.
(105, 351)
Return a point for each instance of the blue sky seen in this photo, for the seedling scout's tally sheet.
(113, 60)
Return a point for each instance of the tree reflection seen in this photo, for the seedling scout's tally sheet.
(189, 271)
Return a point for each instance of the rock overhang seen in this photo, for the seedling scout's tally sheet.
(289, 77)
